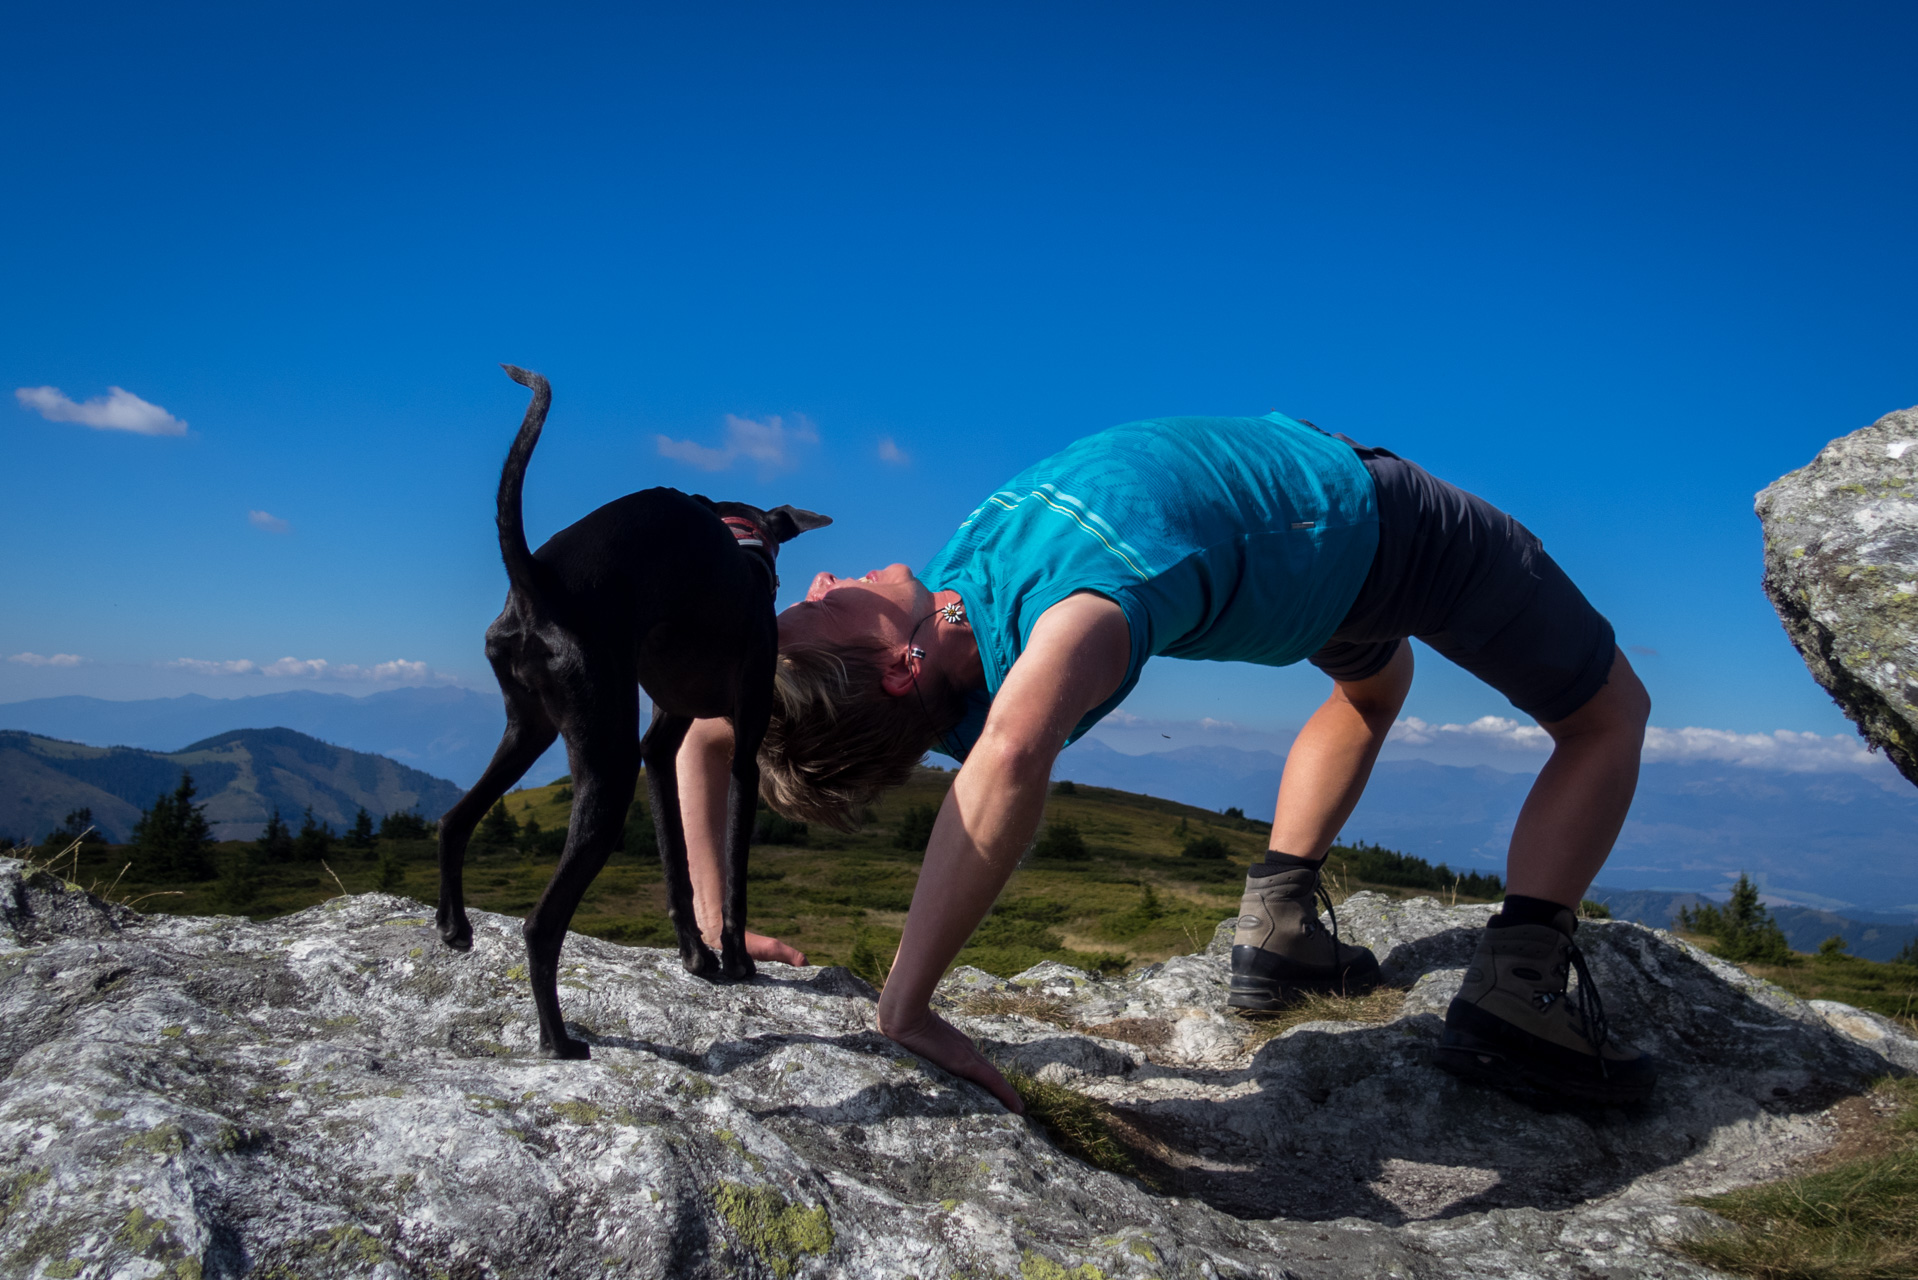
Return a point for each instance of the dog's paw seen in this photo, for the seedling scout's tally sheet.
(738, 966)
(567, 1049)
(700, 961)
(456, 931)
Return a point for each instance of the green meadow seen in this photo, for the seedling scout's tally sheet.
(1114, 879)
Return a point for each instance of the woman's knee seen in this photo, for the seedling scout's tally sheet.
(1622, 707)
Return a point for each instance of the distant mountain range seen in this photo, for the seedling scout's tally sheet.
(240, 776)
(446, 731)
(1835, 841)
(1830, 841)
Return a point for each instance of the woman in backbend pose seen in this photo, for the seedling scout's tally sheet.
(1260, 540)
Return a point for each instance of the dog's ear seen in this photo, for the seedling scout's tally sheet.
(787, 523)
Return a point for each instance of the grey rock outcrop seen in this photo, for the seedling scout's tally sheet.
(1841, 568)
(334, 1094)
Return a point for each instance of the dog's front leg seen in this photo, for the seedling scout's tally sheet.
(660, 749)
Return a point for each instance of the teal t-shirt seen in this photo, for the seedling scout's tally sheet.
(1229, 539)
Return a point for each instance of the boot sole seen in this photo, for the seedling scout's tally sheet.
(1476, 1059)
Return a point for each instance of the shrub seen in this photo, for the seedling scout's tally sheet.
(392, 873)
(1206, 848)
(640, 838)
(1061, 842)
(1386, 866)
(239, 882)
(1831, 948)
(406, 826)
(866, 961)
(777, 828)
(914, 831)
(1064, 787)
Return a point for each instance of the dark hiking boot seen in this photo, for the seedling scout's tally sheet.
(1514, 1026)
(1281, 948)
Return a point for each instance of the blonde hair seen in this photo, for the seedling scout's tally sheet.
(837, 738)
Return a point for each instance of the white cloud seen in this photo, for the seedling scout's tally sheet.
(1781, 749)
(202, 667)
(398, 671)
(1495, 731)
(773, 444)
(268, 521)
(47, 659)
(889, 451)
(118, 410)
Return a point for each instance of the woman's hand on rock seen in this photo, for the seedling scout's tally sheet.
(942, 1044)
(760, 947)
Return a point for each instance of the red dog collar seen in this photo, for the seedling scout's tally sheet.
(751, 536)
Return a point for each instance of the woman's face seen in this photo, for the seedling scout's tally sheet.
(877, 607)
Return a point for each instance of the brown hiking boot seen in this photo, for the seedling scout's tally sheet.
(1513, 1025)
(1281, 948)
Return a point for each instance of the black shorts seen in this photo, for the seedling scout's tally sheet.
(1473, 583)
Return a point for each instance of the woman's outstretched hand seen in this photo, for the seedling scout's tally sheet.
(760, 947)
(942, 1044)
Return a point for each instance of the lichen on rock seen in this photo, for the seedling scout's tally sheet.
(1841, 568)
(326, 1113)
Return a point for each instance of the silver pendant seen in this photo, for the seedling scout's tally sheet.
(954, 612)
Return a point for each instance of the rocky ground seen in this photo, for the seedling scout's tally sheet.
(1841, 568)
(333, 1093)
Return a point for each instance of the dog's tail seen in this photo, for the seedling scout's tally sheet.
(521, 569)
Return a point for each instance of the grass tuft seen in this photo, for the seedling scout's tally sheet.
(1856, 1220)
(1076, 1123)
(1024, 1004)
(1378, 1006)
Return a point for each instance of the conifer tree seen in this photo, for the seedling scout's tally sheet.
(497, 830)
(361, 834)
(315, 840)
(1742, 928)
(275, 844)
(405, 825)
(239, 882)
(172, 840)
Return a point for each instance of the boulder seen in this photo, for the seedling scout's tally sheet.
(334, 1093)
(1841, 568)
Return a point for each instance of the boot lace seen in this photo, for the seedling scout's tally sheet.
(1591, 1009)
(1326, 899)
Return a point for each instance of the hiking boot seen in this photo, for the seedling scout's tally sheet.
(1513, 1025)
(1281, 948)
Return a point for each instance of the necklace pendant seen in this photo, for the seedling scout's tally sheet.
(954, 612)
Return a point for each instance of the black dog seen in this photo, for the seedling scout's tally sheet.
(657, 590)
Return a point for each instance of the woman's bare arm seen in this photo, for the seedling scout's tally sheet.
(705, 771)
(1076, 657)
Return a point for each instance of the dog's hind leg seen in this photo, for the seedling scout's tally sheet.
(661, 752)
(528, 734)
(605, 768)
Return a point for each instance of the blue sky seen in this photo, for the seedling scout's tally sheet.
(1615, 268)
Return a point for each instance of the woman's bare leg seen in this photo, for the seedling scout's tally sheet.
(1578, 802)
(1330, 760)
